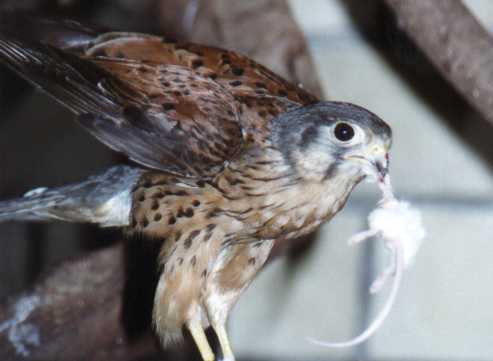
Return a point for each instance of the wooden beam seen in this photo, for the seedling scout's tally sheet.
(456, 43)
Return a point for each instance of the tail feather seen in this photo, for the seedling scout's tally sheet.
(105, 199)
(26, 208)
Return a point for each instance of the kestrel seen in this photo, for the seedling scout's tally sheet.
(229, 158)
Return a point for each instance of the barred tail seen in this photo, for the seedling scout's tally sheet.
(105, 199)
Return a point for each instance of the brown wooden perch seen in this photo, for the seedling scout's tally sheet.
(95, 308)
(456, 43)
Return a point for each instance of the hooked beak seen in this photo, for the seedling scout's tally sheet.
(375, 164)
(382, 167)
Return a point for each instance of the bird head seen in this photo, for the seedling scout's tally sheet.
(329, 138)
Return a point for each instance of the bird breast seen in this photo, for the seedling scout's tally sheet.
(275, 209)
(302, 208)
(257, 209)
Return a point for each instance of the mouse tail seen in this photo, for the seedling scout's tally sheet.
(382, 315)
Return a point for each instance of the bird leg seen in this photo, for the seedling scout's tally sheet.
(200, 339)
(222, 335)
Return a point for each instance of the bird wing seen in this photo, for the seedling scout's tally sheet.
(240, 74)
(260, 94)
(177, 107)
(163, 116)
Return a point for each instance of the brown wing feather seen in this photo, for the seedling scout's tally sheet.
(163, 116)
(177, 107)
(87, 39)
(192, 122)
(240, 74)
(260, 94)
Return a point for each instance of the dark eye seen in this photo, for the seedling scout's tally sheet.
(344, 132)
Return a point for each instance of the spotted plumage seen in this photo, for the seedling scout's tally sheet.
(230, 158)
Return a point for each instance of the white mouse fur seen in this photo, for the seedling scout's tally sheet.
(401, 229)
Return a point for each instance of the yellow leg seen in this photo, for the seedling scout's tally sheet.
(224, 342)
(200, 339)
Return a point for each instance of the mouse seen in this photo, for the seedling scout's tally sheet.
(400, 227)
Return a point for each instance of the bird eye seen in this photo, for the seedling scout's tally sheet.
(344, 132)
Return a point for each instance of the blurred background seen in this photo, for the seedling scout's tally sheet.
(441, 161)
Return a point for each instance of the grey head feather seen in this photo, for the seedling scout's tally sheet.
(302, 130)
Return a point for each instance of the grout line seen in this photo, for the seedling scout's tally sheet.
(457, 202)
